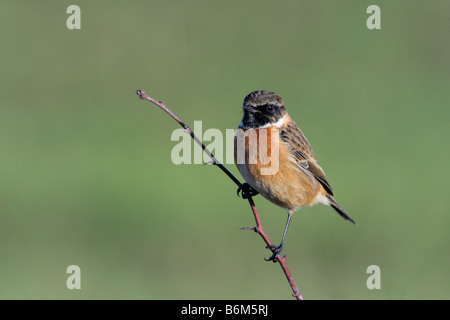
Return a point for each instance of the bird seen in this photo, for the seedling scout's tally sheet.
(297, 180)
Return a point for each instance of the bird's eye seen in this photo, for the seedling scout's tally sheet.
(269, 108)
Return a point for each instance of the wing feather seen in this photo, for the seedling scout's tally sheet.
(303, 153)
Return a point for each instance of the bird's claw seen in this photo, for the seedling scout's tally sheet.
(247, 191)
(275, 252)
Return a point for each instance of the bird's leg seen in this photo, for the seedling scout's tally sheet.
(246, 191)
(276, 250)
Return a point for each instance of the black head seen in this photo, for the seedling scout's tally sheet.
(262, 108)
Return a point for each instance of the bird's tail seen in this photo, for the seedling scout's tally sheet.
(339, 210)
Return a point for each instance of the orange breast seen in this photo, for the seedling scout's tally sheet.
(267, 165)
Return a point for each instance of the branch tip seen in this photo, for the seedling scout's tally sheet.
(141, 94)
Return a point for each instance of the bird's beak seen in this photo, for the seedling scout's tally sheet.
(249, 109)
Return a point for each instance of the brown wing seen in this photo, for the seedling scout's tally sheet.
(303, 153)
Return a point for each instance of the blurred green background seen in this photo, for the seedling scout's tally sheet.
(86, 176)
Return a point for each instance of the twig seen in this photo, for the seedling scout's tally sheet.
(281, 260)
(258, 229)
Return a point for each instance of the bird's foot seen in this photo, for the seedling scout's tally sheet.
(246, 191)
(275, 252)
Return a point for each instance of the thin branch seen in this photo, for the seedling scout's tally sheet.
(281, 260)
(259, 228)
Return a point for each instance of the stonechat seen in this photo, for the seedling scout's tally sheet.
(298, 180)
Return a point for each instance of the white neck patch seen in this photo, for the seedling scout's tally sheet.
(277, 124)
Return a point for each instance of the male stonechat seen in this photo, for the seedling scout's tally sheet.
(298, 180)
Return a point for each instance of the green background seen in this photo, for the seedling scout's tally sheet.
(86, 175)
